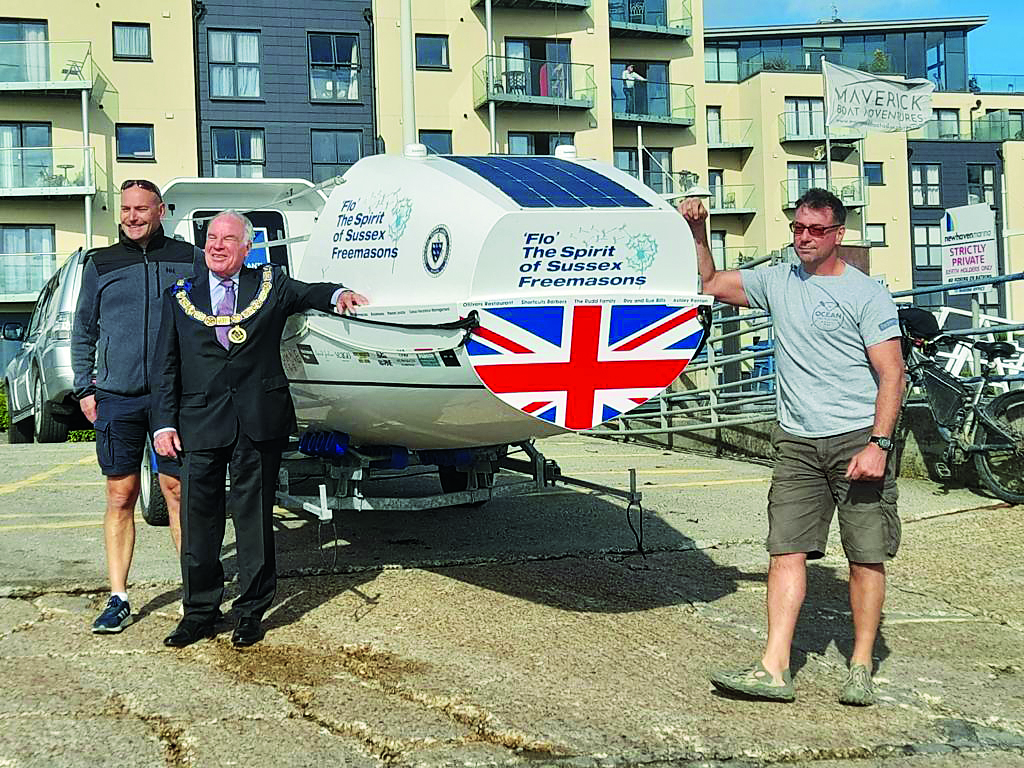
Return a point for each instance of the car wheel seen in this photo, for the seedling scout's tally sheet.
(18, 432)
(47, 428)
(151, 498)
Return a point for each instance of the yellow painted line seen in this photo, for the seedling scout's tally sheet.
(649, 471)
(97, 513)
(66, 484)
(50, 526)
(34, 479)
(708, 482)
(605, 456)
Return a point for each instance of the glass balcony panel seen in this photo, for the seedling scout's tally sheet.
(652, 101)
(650, 18)
(940, 130)
(533, 82)
(798, 60)
(45, 65)
(996, 84)
(731, 198)
(58, 171)
(729, 134)
(852, 190)
(733, 257)
(796, 125)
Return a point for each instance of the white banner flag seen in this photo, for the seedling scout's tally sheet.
(862, 100)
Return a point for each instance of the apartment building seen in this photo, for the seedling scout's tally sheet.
(741, 110)
(285, 90)
(91, 94)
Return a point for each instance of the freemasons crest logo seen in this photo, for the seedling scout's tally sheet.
(436, 250)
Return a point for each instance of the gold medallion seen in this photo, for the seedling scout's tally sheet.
(237, 334)
(209, 321)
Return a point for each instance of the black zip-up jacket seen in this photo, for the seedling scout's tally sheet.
(118, 315)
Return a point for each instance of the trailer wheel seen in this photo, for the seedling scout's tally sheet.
(454, 480)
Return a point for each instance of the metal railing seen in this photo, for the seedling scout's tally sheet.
(810, 126)
(45, 65)
(514, 80)
(995, 126)
(653, 101)
(733, 383)
(47, 170)
(729, 134)
(996, 84)
(877, 62)
(25, 274)
(663, 14)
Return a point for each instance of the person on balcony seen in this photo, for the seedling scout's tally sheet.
(629, 80)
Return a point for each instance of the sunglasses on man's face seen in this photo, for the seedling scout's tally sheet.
(813, 230)
(149, 186)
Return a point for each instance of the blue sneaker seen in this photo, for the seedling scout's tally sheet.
(115, 617)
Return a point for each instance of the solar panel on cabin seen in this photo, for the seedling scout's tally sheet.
(550, 182)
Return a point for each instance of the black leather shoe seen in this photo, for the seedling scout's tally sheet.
(247, 632)
(188, 631)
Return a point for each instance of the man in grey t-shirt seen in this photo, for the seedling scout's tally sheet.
(839, 387)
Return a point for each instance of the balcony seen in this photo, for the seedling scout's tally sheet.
(995, 126)
(650, 18)
(561, 5)
(62, 68)
(653, 102)
(731, 134)
(996, 84)
(940, 130)
(47, 172)
(810, 126)
(852, 190)
(23, 275)
(533, 83)
(735, 199)
(733, 257)
(798, 60)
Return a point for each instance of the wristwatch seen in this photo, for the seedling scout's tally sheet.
(885, 443)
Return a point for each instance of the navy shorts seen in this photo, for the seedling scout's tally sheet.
(122, 424)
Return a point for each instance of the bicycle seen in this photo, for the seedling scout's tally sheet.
(972, 422)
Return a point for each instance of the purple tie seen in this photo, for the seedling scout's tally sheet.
(226, 307)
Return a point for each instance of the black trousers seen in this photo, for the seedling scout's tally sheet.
(254, 467)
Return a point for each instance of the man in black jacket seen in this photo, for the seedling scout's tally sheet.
(114, 338)
(222, 400)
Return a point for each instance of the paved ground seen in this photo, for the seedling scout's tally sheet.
(524, 632)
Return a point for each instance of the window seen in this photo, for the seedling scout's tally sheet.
(537, 143)
(238, 153)
(720, 64)
(924, 184)
(134, 142)
(234, 64)
(714, 121)
(874, 174)
(718, 248)
(657, 166)
(27, 256)
(805, 118)
(437, 142)
(874, 234)
(927, 246)
(802, 176)
(29, 60)
(947, 123)
(432, 52)
(26, 158)
(131, 41)
(333, 67)
(334, 152)
(981, 184)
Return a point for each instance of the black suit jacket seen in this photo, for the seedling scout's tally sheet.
(203, 390)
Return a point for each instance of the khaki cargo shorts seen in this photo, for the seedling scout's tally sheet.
(809, 483)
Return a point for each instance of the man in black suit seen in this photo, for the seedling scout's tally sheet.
(222, 399)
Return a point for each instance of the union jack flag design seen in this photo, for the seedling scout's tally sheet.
(578, 366)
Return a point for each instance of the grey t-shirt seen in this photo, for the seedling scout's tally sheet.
(823, 327)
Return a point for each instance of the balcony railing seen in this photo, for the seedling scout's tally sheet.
(877, 63)
(852, 190)
(653, 102)
(22, 275)
(996, 126)
(730, 134)
(996, 84)
(732, 198)
(733, 257)
(514, 81)
(650, 18)
(568, 5)
(941, 130)
(45, 66)
(810, 126)
(47, 171)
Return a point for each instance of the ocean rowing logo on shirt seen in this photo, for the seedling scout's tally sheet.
(436, 250)
(827, 316)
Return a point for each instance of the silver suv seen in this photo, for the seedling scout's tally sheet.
(38, 380)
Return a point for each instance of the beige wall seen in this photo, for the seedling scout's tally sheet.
(160, 92)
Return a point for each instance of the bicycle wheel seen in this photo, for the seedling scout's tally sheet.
(1002, 471)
